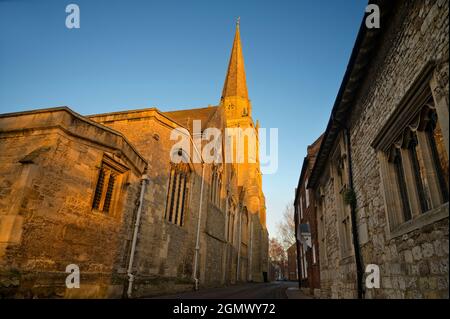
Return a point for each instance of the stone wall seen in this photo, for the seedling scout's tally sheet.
(165, 252)
(413, 264)
(416, 264)
(337, 272)
(47, 180)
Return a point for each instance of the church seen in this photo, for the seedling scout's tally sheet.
(100, 196)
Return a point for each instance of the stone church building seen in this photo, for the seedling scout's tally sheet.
(100, 193)
(380, 178)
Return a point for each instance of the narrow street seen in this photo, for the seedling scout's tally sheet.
(273, 290)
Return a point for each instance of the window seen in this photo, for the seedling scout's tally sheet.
(414, 161)
(245, 226)
(231, 228)
(230, 225)
(304, 263)
(421, 181)
(300, 205)
(216, 186)
(438, 153)
(306, 193)
(401, 184)
(321, 233)
(177, 193)
(314, 254)
(108, 185)
(340, 176)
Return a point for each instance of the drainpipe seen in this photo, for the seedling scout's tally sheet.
(358, 256)
(144, 180)
(297, 244)
(197, 242)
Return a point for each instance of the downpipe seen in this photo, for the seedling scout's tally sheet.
(358, 257)
(197, 242)
(130, 275)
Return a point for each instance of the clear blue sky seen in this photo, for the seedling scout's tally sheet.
(174, 55)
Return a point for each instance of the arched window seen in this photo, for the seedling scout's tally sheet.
(230, 225)
(244, 226)
(216, 186)
(177, 193)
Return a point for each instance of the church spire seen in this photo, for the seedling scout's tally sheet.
(235, 82)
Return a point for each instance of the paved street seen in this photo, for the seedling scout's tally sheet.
(273, 290)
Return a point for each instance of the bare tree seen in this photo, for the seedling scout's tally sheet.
(286, 227)
(278, 258)
(276, 251)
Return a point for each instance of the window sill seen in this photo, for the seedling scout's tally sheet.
(423, 220)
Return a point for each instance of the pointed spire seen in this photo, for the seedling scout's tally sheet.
(235, 82)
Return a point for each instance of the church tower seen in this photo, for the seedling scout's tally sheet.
(237, 109)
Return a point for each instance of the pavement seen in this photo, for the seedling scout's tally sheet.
(272, 290)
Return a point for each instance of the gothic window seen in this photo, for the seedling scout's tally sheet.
(245, 226)
(107, 186)
(230, 225)
(177, 193)
(216, 186)
(414, 163)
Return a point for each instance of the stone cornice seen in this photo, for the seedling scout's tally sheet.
(74, 124)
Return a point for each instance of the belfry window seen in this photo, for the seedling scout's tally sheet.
(177, 193)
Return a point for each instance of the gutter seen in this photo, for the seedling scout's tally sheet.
(130, 275)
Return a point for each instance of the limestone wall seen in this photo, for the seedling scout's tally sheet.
(414, 265)
(47, 180)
